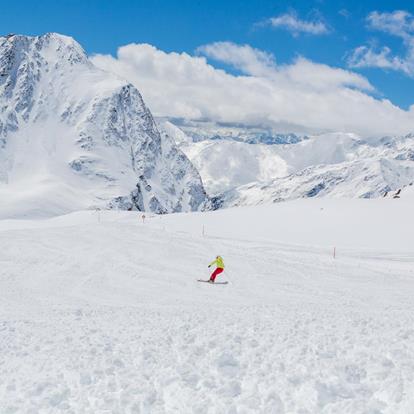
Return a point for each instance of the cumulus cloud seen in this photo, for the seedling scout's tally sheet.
(398, 23)
(255, 62)
(295, 25)
(245, 58)
(302, 96)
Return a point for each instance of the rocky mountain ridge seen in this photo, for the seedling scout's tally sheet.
(73, 137)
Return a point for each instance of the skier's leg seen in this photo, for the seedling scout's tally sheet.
(215, 273)
(213, 276)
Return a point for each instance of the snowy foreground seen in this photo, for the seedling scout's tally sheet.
(101, 313)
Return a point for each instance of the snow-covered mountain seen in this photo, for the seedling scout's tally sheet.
(208, 130)
(331, 164)
(73, 136)
(357, 179)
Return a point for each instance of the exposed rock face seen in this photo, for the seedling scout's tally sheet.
(83, 137)
(341, 165)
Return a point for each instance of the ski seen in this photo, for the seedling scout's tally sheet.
(215, 283)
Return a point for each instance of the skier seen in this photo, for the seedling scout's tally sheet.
(219, 269)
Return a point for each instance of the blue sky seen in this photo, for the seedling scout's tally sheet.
(184, 25)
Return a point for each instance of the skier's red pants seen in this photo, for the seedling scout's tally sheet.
(215, 273)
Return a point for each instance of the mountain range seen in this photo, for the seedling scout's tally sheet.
(75, 137)
(246, 172)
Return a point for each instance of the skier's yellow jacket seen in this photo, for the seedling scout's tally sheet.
(218, 262)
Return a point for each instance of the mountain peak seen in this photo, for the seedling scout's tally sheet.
(81, 136)
(50, 46)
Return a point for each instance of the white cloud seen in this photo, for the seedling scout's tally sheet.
(398, 23)
(292, 23)
(244, 58)
(364, 56)
(303, 95)
(255, 62)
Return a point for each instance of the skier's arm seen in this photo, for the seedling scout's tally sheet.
(212, 263)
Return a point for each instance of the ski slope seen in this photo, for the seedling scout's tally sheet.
(101, 313)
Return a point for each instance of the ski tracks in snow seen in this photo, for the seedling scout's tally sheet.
(172, 360)
(108, 318)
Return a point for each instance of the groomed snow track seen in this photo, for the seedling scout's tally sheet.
(101, 313)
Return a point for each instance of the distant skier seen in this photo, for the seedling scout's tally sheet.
(219, 269)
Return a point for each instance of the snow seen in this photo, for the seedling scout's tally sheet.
(101, 313)
(244, 170)
(242, 162)
(74, 137)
